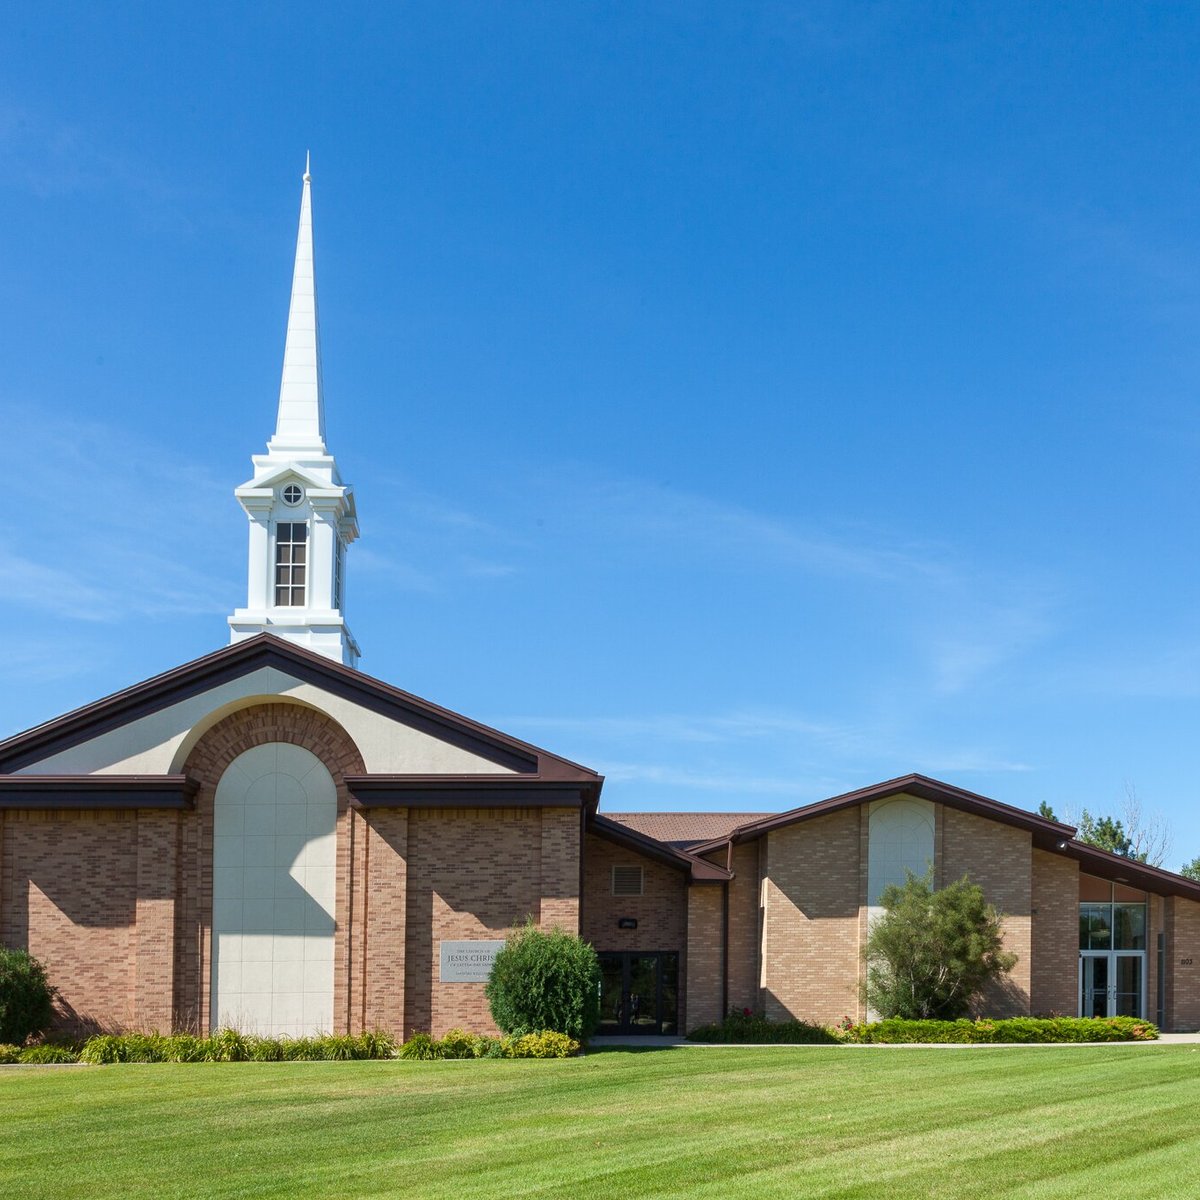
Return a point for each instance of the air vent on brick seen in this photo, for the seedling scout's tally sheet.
(626, 881)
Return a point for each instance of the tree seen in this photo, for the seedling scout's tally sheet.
(1143, 837)
(26, 997)
(1045, 810)
(1191, 870)
(932, 952)
(545, 979)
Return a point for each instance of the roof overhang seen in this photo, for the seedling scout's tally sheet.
(96, 791)
(1120, 869)
(469, 791)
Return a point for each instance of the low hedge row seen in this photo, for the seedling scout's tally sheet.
(747, 1027)
(457, 1043)
(226, 1045)
(1007, 1029)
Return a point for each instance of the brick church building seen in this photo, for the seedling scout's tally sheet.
(269, 838)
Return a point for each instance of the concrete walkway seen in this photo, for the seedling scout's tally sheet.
(653, 1042)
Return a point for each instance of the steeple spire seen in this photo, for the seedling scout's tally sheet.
(300, 424)
(302, 516)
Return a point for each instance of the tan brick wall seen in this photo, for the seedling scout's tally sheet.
(811, 919)
(474, 874)
(154, 930)
(998, 858)
(743, 959)
(69, 898)
(561, 832)
(1054, 935)
(705, 917)
(660, 911)
(1182, 968)
(387, 918)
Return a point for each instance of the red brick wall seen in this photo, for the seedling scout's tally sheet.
(69, 896)
(1054, 935)
(998, 858)
(811, 919)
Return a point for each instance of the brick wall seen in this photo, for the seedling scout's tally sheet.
(475, 874)
(1054, 935)
(998, 858)
(69, 896)
(811, 919)
(743, 956)
(705, 917)
(660, 911)
(1182, 967)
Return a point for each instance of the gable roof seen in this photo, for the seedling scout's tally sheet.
(698, 869)
(1046, 834)
(683, 829)
(266, 650)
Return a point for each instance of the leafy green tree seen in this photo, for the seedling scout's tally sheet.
(933, 951)
(545, 979)
(26, 997)
(1106, 833)
(1047, 811)
(1191, 870)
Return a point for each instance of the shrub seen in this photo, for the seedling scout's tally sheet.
(9, 1054)
(227, 1045)
(421, 1046)
(103, 1048)
(488, 1047)
(184, 1048)
(745, 1026)
(1008, 1029)
(932, 951)
(457, 1043)
(545, 980)
(48, 1052)
(545, 1044)
(26, 997)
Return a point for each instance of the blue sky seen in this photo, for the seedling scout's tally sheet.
(750, 401)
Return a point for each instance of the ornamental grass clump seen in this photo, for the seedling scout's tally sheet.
(933, 951)
(545, 979)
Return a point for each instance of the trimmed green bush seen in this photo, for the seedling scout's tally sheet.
(545, 979)
(229, 1045)
(748, 1027)
(48, 1052)
(1008, 1029)
(421, 1046)
(26, 997)
(9, 1054)
(546, 1044)
(457, 1043)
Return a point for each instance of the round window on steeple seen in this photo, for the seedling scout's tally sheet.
(292, 494)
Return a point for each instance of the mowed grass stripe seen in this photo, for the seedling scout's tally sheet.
(784, 1121)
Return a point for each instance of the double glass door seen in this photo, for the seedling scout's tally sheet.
(1112, 984)
(639, 993)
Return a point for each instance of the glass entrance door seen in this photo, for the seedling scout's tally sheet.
(639, 993)
(1112, 984)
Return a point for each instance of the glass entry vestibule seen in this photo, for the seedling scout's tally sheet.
(1112, 949)
(639, 992)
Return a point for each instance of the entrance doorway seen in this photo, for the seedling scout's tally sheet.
(639, 992)
(1112, 984)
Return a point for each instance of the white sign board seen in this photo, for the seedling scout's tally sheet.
(467, 962)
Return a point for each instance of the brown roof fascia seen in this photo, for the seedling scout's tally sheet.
(1128, 870)
(266, 650)
(470, 791)
(1046, 834)
(698, 870)
(96, 791)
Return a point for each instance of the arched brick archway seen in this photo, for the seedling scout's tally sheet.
(259, 725)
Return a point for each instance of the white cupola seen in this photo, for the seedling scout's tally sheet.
(301, 515)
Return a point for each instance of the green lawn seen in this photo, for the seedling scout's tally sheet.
(1114, 1121)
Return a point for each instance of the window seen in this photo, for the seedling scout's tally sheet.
(292, 495)
(627, 880)
(291, 562)
(339, 572)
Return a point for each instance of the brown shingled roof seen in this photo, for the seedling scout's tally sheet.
(680, 829)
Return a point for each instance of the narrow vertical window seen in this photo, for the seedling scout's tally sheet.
(291, 562)
(339, 569)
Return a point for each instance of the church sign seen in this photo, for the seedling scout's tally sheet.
(468, 962)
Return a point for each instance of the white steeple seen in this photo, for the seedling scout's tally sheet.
(302, 517)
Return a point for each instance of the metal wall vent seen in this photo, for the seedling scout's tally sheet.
(627, 881)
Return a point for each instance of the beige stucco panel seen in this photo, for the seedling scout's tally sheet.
(158, 743)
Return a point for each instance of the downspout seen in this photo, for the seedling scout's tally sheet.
(725, 949)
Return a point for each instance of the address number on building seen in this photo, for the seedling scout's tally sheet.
(467, 962)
